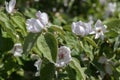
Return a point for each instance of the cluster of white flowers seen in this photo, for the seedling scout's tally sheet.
(82, 29)
(35, 25)
(10, 6)
(64, 56)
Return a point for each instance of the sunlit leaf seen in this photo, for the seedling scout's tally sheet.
(30, 41)
(92, 42)
(47, 44)
(79, 71)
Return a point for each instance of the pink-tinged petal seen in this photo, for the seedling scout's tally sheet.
(64, 56)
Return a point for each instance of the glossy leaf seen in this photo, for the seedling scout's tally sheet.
(47, 72)
(91, 41)
(79, 71)
(29, 42)
(47, 44)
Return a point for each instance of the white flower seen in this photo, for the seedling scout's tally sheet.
(102, 2)
(43, 17)
(110, 9)
(34, 25)
(37, 64)
(10, 6)
(99, 30)
(81, 28)
(17, 49)
(64, 56)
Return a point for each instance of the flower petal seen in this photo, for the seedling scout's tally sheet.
(43, 17)
(12, 4)
(34, 25)
(17, 49)
(64, 56)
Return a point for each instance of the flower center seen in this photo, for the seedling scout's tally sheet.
(99, 30)
(61, 56)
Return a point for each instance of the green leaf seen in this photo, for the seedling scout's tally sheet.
(56, 28)
(117, 43)
(19, 22)
(30, 41)
(47, 44)
(113, 25)
(91, 41)
(47, 72)
(5, 24)
(6, 44)
(67, 28)
(79, 71)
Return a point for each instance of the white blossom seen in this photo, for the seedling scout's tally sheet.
(34, 25)
(110, 9)
(43, 17)
(81, 28)
(102, 2)
(17, 49)
(37, 64)
(99, 30)
(64, 56)
(10, 6)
